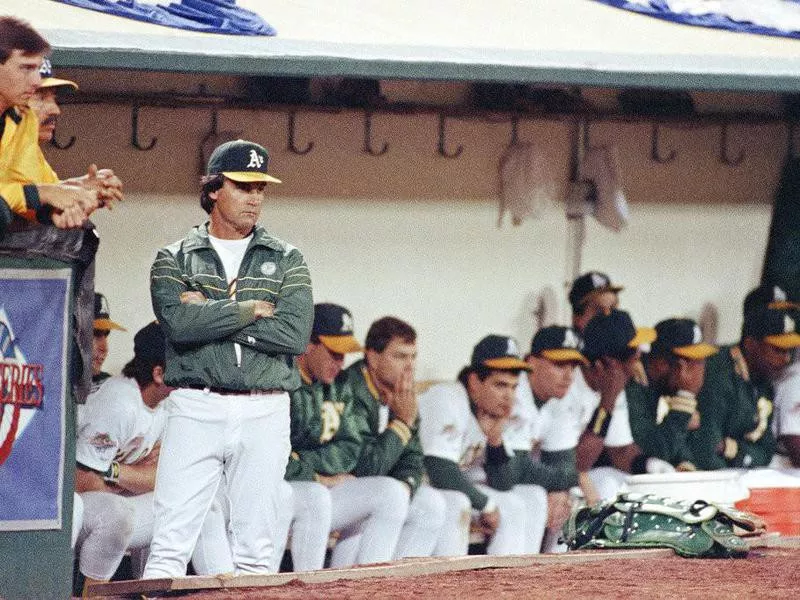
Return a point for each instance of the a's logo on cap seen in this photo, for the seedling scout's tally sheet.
(599, 280)
(46, 69)
(788, 324)
(778, 295)
(256, 160)
(347, 323)
(570, 339)
(512, 347)
(697, 335)
(268, 268)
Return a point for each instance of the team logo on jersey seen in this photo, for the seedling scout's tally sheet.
(788, 324)
(269, 268)
(331, 420)
(21, 388)
(778, 295)
(101, 441)
(697, 335)
(256, 160)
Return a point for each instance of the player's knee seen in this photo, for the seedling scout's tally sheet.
(394, 497)
(121, 517)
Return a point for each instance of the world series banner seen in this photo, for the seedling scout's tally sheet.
(34, 358)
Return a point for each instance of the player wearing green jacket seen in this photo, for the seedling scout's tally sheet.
(385, 400)
(663, 410)
(368, 512)
(735, 402)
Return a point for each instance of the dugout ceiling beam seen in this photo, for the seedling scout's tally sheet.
(569, 42)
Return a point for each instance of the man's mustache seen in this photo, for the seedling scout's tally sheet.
(50, 121)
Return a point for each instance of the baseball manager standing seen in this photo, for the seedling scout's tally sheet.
(236, 306)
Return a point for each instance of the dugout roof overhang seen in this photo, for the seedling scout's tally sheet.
(570, 42)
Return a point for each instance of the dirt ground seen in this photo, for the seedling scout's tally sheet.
(766, 573)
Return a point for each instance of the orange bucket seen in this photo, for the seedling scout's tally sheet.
(778, 507)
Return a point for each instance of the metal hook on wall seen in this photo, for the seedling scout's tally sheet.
(54, 142)
(368, 137)
(514, 131)
(135, 131)
(441, 149)
(213, 131)
(724, 151)
(655, 148)
(291, 145)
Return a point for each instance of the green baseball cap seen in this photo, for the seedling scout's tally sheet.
(773, 326)
(769, 296)
(589, 284)
(333, 325)
(614, 335)
(558, 344)
(681, 337)
(242, 161)
(498, 352)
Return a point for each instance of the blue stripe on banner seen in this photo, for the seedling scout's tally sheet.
(748, 17)
(34, 328)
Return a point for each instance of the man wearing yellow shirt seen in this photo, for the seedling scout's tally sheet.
(28, 186)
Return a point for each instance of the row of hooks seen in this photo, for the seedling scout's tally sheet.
(725, 157)
(657, 152)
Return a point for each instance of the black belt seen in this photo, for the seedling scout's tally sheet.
(228, 392)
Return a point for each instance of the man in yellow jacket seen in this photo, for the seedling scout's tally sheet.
(28, 185)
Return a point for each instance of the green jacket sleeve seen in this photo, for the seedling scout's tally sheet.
(715, 400)
(388, 454)
(554, 472)
(289, 329)
(394, 452)
(192, 323)
(499, 469)
(666, 440)
(447, 475)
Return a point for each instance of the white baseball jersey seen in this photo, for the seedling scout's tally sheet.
(115, 424)
(552, 427)
(787, 402)
(587, 400)
(449, 430)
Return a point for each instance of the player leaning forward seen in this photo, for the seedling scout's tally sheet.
(236, 306)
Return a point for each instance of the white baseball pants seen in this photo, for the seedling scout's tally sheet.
(535, 498)
(241, 442)
(106, 530)
(369, 513)
(423, 527)
(311, 527)
(511, 534)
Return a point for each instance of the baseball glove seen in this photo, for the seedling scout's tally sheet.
(634, 520)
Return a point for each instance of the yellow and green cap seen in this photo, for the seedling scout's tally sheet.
(681, 337)
(498, 352)
(242, 161)
(776, 327)
(558, 344)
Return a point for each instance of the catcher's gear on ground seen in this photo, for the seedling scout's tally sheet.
(634, 520)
